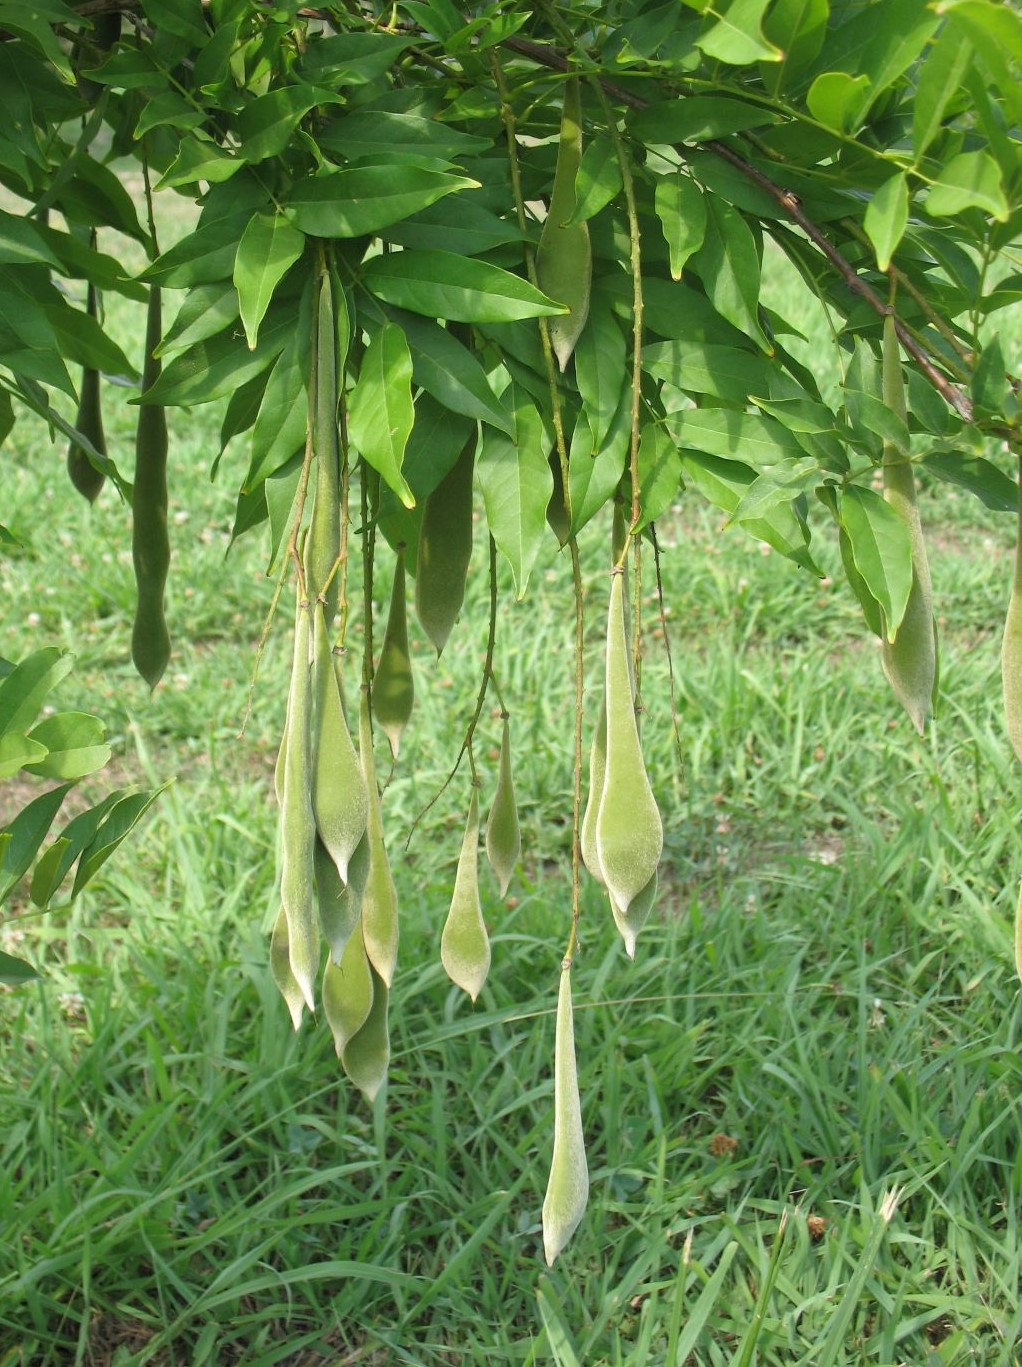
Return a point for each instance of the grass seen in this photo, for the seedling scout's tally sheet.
(823, 1011)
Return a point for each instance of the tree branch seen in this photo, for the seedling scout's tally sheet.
(790, 204)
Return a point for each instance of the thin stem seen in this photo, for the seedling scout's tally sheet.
(507, 113)
(466, 744)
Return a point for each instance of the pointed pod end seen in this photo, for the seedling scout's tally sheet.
(296, 1006)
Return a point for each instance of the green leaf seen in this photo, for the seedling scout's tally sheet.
(779, 485)
(23, 691)
(123, 817)
(380, 408)
(25, 834)
(515, 478)
(381, 133)
(458, 289)
(737, 36)
(989, 484)
(364, 199)
(447, 369)
(454, 225)
(21, 242)
(799, 29)
(972, 180)
(601, 373)
(282, 417)
(76, 744)
(696, 118)
(597, 181)
(269, 247)
(15, 971)
(723, 372)
(206, 310)
(595, 470)
(182, 18)
(659, 473)
(938, 84)
(266, 127)
(729, 266)
(880, 547)
(168, 109)
(202, 257)
(838, 100)
(199, 159)
(724, 483)
(351, 58)
(758, 440)
(18, 751)
(215, 368)
(887, 217)
(681, 209)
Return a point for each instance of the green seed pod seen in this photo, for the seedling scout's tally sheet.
(340, 904)
(347, 993)
(393, 688)
(568, 1187)
(150, 544)
(464, 944)
(910, 660)
(339, 797)
(503, 833)
(298, 823)
(367, 1055)
(323, 546)
(630, 922)
(280, 970)
(629, 832)
(1011, 650)
(597, 775)
(445, 548)
(89, 421)
(564, 258)
(379, 900)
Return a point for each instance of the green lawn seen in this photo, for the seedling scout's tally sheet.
(824, 1008)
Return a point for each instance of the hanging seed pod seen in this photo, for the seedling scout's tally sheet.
(598, 749)
(910, 660)
(366, 1056)
(150, 544)
(1011, 649)
(379, 900)
(339, 797)
(445, 549)
(340, 904)
(280, 970)
(597, 776)
(464, 944)
(629, 832)
(568, 1186)
(347, 993)
(89, 421)
(298, 824)
(393, 689)
(564, 258)
(630, 922)
(503, 833)
(323, 546)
